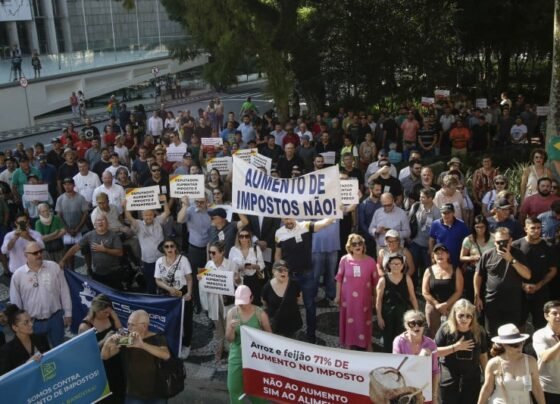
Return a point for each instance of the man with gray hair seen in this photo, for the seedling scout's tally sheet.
(388, 217)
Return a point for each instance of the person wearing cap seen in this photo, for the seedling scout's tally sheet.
(454, 164)
(547, 347)
(502, 218)
(387, 218)
(223, 230)
(394, 245)
(448, 231)
(511, 376)
(538, 203)
(20, 177)
(442, 286)
(245, 313)
(542, 260)
(505, 270)
(294, 245)
(373, 167)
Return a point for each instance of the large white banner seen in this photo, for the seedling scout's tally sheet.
(285, 370)
(15, 10)
(312, 196)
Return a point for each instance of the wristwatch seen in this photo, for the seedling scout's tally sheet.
(513, 261)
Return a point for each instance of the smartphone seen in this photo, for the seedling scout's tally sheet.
(502, 245)
(22, 226)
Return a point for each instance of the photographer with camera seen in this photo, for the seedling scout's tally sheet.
(141, 354)
(505, 271)
(17, 240)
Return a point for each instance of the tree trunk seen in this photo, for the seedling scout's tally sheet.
(280, 83)
(553, 119)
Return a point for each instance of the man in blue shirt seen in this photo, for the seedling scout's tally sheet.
(448, 231)
(550, 222)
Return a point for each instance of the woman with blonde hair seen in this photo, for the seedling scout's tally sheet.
(462, 348)
(355, 287)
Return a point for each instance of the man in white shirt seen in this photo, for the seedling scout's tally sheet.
(115, 192)
(546, 343)
(155, 126)
(177, 147)
(17, 240)
(85, 181)
(7, 174)
(39, 287)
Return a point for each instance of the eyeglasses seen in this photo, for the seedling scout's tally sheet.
(415, 323)
(282, 269)
(35, 253)
(244, 236)
(392, 241)
(499, 183)
(213, 252)
(357, 243)
(169, 246)
(465, 315)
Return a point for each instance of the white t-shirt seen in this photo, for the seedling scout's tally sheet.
(86, 184)
(173, 275)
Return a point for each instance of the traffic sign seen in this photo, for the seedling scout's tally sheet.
(23, 82)
(155, 70)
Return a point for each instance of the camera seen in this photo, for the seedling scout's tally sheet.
(22, 226)
(125, 339)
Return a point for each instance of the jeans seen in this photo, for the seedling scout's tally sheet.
(133, 400)
(53, 328)
(148, 269)
(324, 263)
(308, 287)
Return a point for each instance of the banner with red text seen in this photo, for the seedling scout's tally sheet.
(289, 371)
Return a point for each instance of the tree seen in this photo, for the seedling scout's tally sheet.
(553, 121)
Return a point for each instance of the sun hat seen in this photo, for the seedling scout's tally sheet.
(509, 334)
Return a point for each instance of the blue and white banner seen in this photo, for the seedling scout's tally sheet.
(311, 196)
(166, 313)
(59, 377)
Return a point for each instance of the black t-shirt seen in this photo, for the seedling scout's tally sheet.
(90, 132)
(285, 166)
(296, 246)
(539, 258)
(391, 185)
(503, 283)
(479, 137)
(464, 362)
(284, 314)
(100, 167)
(67, 171)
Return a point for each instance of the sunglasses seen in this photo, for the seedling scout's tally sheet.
(169, 246)
(213, 252)
(244, 236)
(415, 323)
(357, 243)
(156, 171)
(35, 253)
(499, 183)
(467, 316)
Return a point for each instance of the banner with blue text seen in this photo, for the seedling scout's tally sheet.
(59, 377)
(166, 313)
(311, 196)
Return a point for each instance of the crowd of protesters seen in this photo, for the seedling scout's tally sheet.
(441, 265)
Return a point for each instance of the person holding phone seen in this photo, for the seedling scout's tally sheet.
(17, 240)
(462, 349)
(505, 271)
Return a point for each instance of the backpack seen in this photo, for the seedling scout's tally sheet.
(170, 377)
(413, 221)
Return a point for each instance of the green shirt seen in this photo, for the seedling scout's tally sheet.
(19, 179)
(56, 224)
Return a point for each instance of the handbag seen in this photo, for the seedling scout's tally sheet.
(170, 377)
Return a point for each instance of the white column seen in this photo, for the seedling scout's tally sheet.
(52, 43)
(12, 33)
(63, 9)
(32, 35)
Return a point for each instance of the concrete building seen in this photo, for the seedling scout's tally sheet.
(61, 26)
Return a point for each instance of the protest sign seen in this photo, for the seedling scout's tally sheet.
(143, 198)
(543, 110)
(245, 154)
(38, 192)
(222, 164)
(350, 191)
(211, 144)
(426, 101)
(329, 157)
(70, 373)
(312, 196)
(216, 281)
(189, 185)
(166, 313)
(175, 153)
(481, 102)
(441, 94)
(258, 160)
(285, 370)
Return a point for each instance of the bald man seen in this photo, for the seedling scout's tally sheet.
(39, 287)
(139, 363)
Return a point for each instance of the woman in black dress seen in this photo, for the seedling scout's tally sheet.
(280, 297)
(25, 346)
(104, 320)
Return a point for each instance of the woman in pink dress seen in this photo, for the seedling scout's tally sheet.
(355, 288)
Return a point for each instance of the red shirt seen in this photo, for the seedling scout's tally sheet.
(290, 138)
(109, 138)
(534, 205)
(82, 147)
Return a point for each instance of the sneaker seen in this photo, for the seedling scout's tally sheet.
(185, 352)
